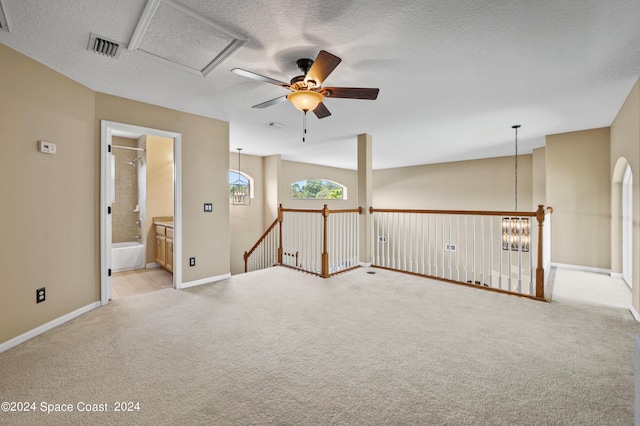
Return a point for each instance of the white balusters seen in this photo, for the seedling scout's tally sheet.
(302, 234)
(343, 241)
(459, 246)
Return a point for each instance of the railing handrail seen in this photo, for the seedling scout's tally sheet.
(255, 246)
(329, 211)
(457, 212)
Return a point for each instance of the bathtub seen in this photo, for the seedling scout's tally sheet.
(127, 256)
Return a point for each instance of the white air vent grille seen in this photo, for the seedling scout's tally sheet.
(3, 19)
(104, 46)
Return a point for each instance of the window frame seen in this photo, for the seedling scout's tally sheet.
(343, 187)
(248, 177)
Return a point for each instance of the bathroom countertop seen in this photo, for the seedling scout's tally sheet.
(164, 221)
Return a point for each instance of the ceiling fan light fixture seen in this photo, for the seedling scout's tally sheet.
(305, 100)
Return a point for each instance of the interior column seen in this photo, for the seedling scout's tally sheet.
(365, 192)
(272, 196)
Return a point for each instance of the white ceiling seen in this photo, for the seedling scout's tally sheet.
(454, 76)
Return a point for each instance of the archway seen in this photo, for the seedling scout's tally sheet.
(622, 221)
(627, 225)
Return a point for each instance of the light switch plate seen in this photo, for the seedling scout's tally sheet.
(208, 207)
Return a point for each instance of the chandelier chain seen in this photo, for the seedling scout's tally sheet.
(516, 168)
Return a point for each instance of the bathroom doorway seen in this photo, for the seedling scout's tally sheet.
(128, 206)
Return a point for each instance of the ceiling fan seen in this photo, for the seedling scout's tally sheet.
(307, 93)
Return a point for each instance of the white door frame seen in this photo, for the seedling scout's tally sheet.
(108, 129)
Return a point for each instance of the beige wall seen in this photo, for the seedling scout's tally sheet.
(159, 188)
(272, 175)
(486, 184)
(49, 202)
(246, 222)
(293, 172)
(539, 178)
(579, 190)
(625, 146)
(205, 149)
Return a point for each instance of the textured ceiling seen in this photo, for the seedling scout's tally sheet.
(454, 76)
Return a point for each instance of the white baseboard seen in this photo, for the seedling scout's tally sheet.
(152, 265)
(46, 327)
(616, 275)
(365, 264)
(635, 313)
(203, 281)
(582, 268)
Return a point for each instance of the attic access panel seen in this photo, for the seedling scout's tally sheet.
(181, 37)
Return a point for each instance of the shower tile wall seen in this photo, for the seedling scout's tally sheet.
(126, 199)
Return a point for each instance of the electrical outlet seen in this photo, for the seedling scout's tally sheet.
(192, 261)
(208, 207)
(382, 239)
(40, 295)
(450, 247)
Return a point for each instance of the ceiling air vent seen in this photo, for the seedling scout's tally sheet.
(104, 46)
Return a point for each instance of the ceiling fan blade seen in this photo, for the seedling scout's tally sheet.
(321, 111)
(271, 102)
(254, 76)
(350, 92)
(324, 64)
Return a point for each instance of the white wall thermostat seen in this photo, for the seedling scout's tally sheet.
(47, 147)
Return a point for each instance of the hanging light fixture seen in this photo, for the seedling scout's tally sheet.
(239, 191)
(515, 230)
(305, 100)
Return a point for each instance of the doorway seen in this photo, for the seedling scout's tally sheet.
(627, 225)
(109, 130)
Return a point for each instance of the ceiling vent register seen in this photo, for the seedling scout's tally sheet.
(104, 46)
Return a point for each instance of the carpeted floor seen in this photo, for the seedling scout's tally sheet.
(278, 347)
(140, 281)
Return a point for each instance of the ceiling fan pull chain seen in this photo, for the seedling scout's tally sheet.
(304, 125)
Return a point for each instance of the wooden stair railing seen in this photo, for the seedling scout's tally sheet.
(460, 246)
(428, 243)
(304, 236)
(247, 254)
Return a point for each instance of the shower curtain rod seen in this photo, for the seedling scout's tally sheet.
(128, 147)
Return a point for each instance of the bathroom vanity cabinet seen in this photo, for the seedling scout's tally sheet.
(164, 242)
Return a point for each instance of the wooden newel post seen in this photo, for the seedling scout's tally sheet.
(280, 217)
(325, 254)
(540, 267)
(246, 261)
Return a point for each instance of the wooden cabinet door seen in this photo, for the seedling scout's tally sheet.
(161, 250)
(168, 259)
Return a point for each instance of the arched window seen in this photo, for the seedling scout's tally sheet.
(240, 188)
(318, 189)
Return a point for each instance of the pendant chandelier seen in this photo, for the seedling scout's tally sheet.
(515, 230)
(239, 193)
